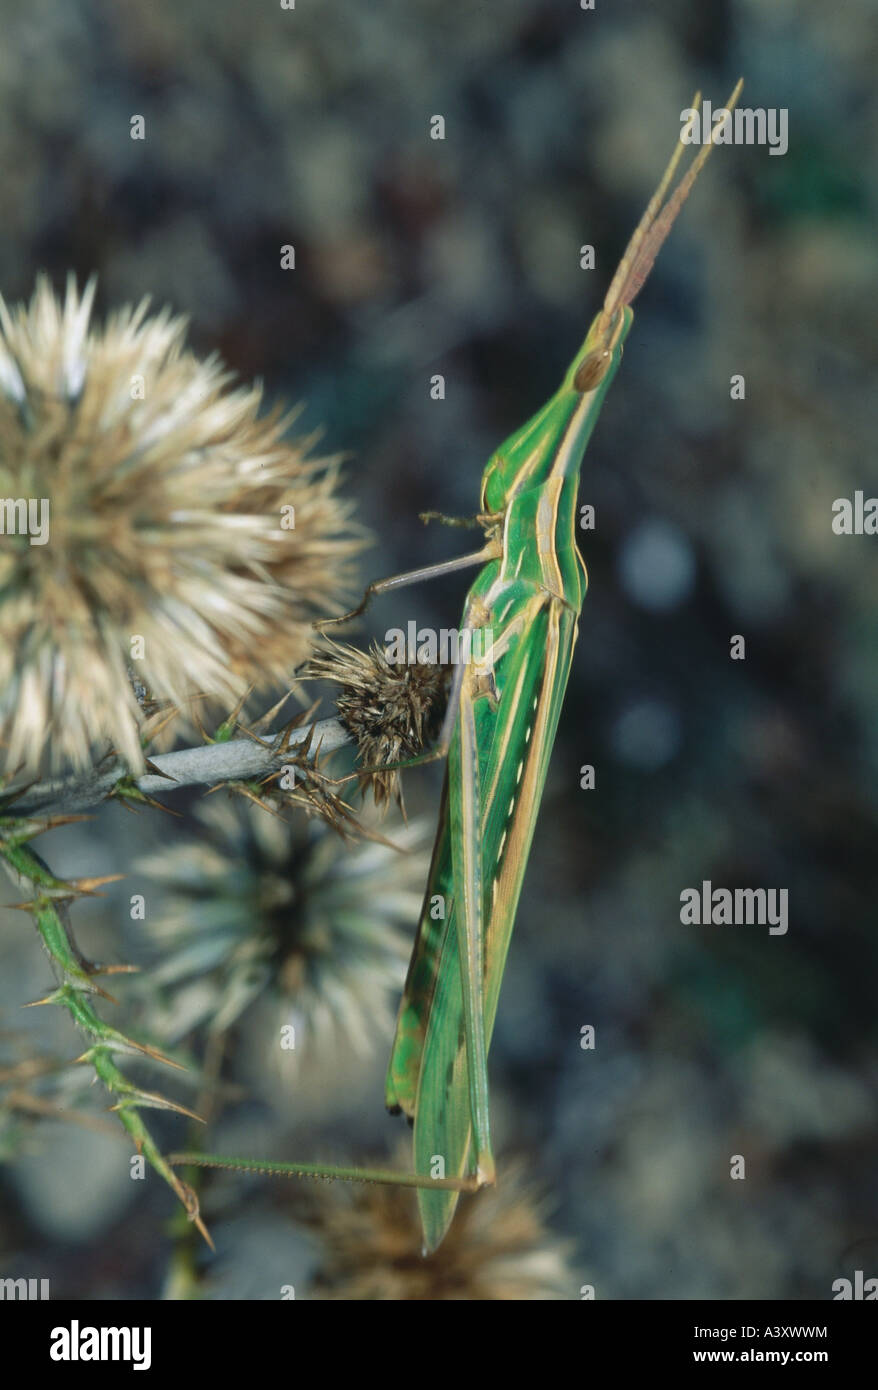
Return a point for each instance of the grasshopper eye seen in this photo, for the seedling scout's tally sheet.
(592, 370)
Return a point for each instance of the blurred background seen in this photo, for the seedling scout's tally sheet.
(266, 127)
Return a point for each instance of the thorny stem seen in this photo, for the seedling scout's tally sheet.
(38, 808)
(239, 759)
(76, 988)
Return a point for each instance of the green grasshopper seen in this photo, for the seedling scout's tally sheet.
(498, 734)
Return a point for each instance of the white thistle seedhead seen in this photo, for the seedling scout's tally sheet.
(281, 913)
(169, 521)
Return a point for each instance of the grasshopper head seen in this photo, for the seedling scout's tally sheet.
(612, 323)
(605, 334)
(543, 446)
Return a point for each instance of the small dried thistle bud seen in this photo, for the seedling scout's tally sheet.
(393, 710)
(180, 535)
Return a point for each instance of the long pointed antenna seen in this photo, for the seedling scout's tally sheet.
(657, 221)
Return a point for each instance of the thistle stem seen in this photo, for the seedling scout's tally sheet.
(238, 759)
(48, 898)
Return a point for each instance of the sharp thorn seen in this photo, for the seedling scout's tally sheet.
(154, 1102)
(157, 772)
(88, 885)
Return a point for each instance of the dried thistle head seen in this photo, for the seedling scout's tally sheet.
(261, 909)
(392, 710)
(179, 534)
(498, 1247)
